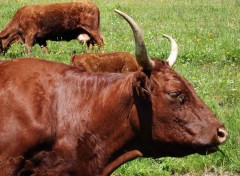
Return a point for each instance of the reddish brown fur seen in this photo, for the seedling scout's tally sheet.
(105, 62)
(61, 21)
(57, 120)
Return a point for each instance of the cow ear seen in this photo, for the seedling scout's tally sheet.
(1, 48)
(141, 85)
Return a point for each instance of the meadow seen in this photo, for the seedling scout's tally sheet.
(208, 35)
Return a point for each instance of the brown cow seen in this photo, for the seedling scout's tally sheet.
(57, 120)
(61, 21)
(105, 62)
(114, 61)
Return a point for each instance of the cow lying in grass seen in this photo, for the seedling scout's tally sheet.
(115, 61)
(58, 120)
(35, 24)
(105, 62)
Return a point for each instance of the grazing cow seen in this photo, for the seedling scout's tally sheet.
(57, 120)
(61, 21)
(113, 61)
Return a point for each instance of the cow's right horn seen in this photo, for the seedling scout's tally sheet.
(172, 58)
(141, 51)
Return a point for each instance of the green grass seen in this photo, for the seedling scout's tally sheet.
(208, 35)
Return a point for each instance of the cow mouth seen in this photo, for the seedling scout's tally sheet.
(179, 150)
(201, 150)
(206, 150)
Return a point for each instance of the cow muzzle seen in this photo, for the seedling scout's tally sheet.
(212, 145)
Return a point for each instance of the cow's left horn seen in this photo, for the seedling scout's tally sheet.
(172, 58)
(141, 51)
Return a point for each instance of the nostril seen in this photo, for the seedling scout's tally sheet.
(222, 135)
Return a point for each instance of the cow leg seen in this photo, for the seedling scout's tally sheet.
(9, 167)
(18, 142)
(10, 161)
(29, 42)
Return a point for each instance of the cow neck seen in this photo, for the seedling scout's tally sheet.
(100, 150)
(140, 122)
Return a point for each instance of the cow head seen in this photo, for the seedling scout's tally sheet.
(171, 119)
(4, 46)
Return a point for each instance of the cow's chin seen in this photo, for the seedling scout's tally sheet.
(179, 150)
(207, 150)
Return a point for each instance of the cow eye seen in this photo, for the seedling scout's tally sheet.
(177, 95)
(174, 94)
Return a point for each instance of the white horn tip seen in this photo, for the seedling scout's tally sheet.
(166, 36)
(174, 50)
(118, 11)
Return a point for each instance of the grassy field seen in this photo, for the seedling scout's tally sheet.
(208, 35)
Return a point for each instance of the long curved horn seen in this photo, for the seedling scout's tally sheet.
(172, 58)
(141, 51)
